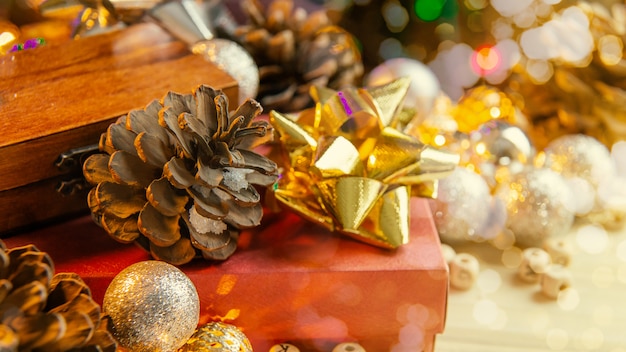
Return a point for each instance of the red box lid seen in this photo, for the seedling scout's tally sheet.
(291, 281)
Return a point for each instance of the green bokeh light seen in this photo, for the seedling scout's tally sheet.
(430, 10)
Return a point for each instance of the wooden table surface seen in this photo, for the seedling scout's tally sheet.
(501, 313)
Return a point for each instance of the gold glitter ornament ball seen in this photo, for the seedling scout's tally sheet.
(539, 205)
(483, 104)
(153, 307)
(217, 337)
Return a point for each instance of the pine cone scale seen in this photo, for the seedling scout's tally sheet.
(176, 103)
(188, 123)
(210, 205)
(8, 339)
(206, 109)
(166, 198)
(179, 253)
(248, 110)
(152, 150)
(209, 241)
(130, 170)
(119, 138)
(258, 162)
(64, 291)
(29, 299)
(122, 230)
(5, 288)
(162, 230)
(83, 304)
(222, 253)
(26, 271)
(38, 330)
(140, 121)
(244, 219)
(176, 172)
(79, 331)
(210, 176)
(120, 200)
(170, 119)
(96, 170)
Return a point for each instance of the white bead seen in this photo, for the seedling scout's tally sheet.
(464, 270)
(535, 261)
(556, 279)
(349, 347)
(559, 250)
(448, 253)
(284, 347)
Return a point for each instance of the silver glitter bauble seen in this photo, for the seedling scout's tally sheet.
(539, 205)
(501, 143)
(233, 59)
(462, 209)
(580, 156)
(153, 307)
(217, 337)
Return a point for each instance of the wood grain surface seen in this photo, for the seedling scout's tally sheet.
(59, 97)
(56, 89)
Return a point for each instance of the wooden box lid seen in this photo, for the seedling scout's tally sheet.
(60, 97)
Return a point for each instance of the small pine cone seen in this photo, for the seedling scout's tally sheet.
(295, 51)
(45, 312)
(178, 176)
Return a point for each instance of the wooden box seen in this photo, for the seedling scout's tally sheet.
(57, 98)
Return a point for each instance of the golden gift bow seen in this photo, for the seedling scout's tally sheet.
(347, 168)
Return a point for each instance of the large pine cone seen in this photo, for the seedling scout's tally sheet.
(178, 176)
(42, 312)
(295, 51)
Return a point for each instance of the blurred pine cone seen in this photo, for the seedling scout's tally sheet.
(178, 176)
(42, 312)
(294, 51)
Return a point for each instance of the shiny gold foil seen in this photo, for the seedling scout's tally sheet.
(345, 166)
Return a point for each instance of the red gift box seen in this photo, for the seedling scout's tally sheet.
(291, 281)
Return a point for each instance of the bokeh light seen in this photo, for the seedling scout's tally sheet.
(592, 239)
(395, 15)
(603, 277)
(603, 315)
(431, 10)
(390, 48)
(610, 48)
(476, 4)
(486, 59)
(557, 339)
(566, 37)
(509, 8)
(512, 257)
(489, 281)
(485, 312)
(592, 338)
